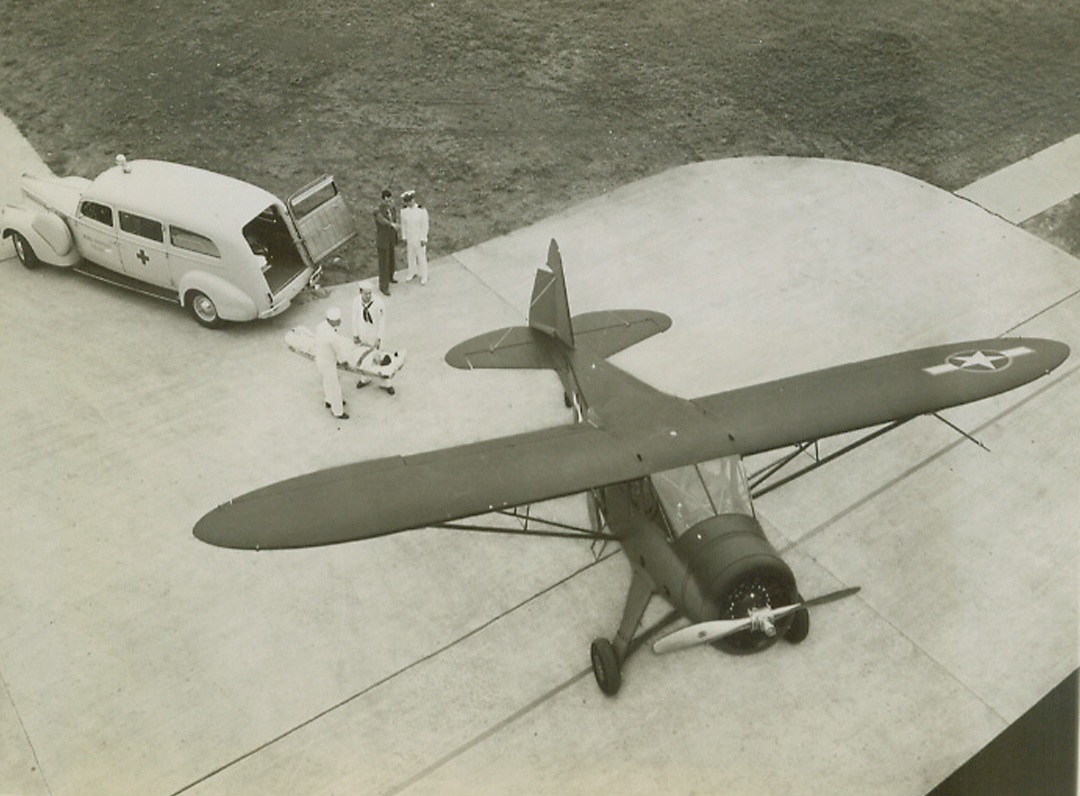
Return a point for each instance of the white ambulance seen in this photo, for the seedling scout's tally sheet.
(224, 249)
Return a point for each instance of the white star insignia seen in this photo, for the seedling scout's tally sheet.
(987, 360)
(978, 361)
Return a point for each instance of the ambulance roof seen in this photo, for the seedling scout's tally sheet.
(183, 195)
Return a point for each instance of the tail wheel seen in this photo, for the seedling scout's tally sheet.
(203, 310)
(605, 666)
(25, 252)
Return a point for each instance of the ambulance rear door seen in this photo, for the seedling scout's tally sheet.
(321, 218)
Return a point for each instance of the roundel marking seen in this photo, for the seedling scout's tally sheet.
(984, 361)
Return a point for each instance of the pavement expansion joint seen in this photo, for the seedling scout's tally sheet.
(413, 665)
(1043, 311)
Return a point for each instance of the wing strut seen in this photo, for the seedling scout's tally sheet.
(581, 534)
(757, 492)
(557, 530)
(960, 431)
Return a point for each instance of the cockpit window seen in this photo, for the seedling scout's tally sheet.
(696, 492)
(684, 498)
(727, 485)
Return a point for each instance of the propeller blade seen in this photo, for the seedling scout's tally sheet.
(832, 596)
(701, 633)
(705, 632)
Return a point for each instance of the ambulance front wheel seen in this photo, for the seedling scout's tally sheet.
(24, 251)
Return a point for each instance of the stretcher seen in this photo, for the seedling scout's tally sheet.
(364, 360)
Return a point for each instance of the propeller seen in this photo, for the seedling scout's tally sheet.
(832, 596)
(761, 619)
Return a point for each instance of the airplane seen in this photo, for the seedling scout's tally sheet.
(664, 476)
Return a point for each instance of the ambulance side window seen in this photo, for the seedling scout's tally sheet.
(192, 241)
(141, 226)
(96, 212)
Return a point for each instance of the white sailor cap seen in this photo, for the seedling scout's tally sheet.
(408, 196)
(333, 315)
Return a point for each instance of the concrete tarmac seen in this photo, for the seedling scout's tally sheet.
(138, 660)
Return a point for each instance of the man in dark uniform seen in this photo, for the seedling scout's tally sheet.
(386, 235)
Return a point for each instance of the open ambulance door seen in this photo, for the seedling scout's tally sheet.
(319, 213)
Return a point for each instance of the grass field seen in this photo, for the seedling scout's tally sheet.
(501, 113)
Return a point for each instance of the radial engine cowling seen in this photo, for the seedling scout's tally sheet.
(733, 571)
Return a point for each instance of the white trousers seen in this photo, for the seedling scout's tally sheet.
(332, 390)
(416, 257)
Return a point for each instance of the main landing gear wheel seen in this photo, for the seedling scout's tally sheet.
(605, 666)
(800, 627)
(25, 252)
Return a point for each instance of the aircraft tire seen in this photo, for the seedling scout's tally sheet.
(800, 627)
(605, 666)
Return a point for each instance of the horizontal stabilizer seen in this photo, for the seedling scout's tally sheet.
(610, 331)
(606, 333)
(514, 347)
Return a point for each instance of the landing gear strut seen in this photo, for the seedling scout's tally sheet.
(609, 656)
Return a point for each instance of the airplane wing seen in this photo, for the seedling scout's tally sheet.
(383, 496)
(652, 432)
(875, 391)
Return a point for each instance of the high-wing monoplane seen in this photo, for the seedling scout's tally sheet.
(664, 475)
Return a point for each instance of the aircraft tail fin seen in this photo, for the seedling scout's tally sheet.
(549, 309)
(605, 332)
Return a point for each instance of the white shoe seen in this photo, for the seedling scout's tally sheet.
(423, 281)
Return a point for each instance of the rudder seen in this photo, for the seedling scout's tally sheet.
(549, 308)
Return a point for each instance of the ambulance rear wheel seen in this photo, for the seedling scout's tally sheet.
(203, 310)
(605, 666)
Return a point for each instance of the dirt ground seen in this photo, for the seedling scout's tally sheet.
(503, 113)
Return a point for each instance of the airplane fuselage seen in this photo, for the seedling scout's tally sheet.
(718, 566)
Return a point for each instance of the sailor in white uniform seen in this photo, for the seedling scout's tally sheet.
(414, 230)
(369, 326)
(330, 348)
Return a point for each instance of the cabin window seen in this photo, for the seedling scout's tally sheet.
(143, 227)
(726, 481)
(698, 491)
(192, 241)
(96, 212)
(684, 498)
